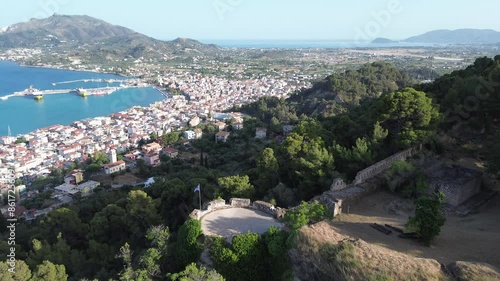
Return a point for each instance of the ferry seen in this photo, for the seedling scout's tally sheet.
(37, 95)
(81, 92)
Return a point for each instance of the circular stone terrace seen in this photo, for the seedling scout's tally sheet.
(228, 223)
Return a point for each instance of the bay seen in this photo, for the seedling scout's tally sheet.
(24, 114)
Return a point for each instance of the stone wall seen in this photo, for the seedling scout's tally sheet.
(269, 209)
(240, 203)
(458, 184)
(216, 205)
(212, 206)
(341, 194)
(338, 184)
(383, 165)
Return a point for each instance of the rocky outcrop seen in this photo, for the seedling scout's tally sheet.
(470, 271)
(324, 254)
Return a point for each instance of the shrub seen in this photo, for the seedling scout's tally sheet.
(429, 217)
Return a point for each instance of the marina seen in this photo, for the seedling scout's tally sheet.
(83, 92)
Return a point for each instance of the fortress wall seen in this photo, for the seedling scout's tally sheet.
(383, 165)
(240, 203)
(220, 204)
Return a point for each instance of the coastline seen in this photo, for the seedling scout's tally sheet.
(165, 94)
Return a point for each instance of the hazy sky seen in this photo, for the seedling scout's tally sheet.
(271, 19)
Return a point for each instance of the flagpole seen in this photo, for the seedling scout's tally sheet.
(199, 194)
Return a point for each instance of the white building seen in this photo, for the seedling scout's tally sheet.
(114, 167)
(190, 135)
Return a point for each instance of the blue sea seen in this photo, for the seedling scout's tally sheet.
(24, 114)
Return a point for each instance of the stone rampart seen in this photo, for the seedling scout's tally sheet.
(383, 165)
(269, 209)
(240, 203)
(220, 204)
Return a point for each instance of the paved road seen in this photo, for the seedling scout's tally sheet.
(230, 222)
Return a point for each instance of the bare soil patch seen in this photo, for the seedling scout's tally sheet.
(475, 238)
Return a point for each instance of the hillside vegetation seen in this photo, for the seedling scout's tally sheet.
(137, 234)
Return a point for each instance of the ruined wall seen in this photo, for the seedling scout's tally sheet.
(269, 209)
(383, 165)
(216, 205)
(338, 184)
(212, 206)
(457, 183)
(342, 194)
(220, 204)
(240, 203)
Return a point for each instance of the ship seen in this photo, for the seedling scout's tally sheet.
(37, 95)
(81, 92)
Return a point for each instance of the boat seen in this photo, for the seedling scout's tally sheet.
(37, 95)
(81, 92)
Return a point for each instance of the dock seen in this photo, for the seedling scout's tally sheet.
(90, 92)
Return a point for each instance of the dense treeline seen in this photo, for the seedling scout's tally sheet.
(330, 96)
(144, 234)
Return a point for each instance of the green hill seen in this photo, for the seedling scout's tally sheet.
(95, 37)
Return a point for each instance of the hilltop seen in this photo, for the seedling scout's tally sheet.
(99, 38)
(459, 36)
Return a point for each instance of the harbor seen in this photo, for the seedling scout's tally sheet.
(83, 92)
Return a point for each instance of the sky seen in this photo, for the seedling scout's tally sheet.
(270, 19)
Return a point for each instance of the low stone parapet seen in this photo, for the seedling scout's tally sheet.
(269, 209)
(220, 204)
(216, 205)
(240, 203)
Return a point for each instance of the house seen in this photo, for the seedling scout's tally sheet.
(190, 135)
(220, 125)
(170, 152)
(237, 126)
(88, 187)
(130, 157)
(261, 133)
(114, 167)
(198, 133)
(74, 177)
(84, 188)
(69, 189)
(222, 136)
(152, 147)
(152, 159)
(195, 121)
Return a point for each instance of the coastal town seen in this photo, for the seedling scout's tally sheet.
(204, 100)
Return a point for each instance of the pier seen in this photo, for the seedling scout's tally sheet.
(90, 92)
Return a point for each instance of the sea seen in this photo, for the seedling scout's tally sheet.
(24, 114)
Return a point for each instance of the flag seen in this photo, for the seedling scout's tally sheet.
(197, 189)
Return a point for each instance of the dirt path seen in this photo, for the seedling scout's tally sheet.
(473, 238)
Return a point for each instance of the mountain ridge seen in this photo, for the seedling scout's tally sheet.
(447, 36)
(101, 38)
